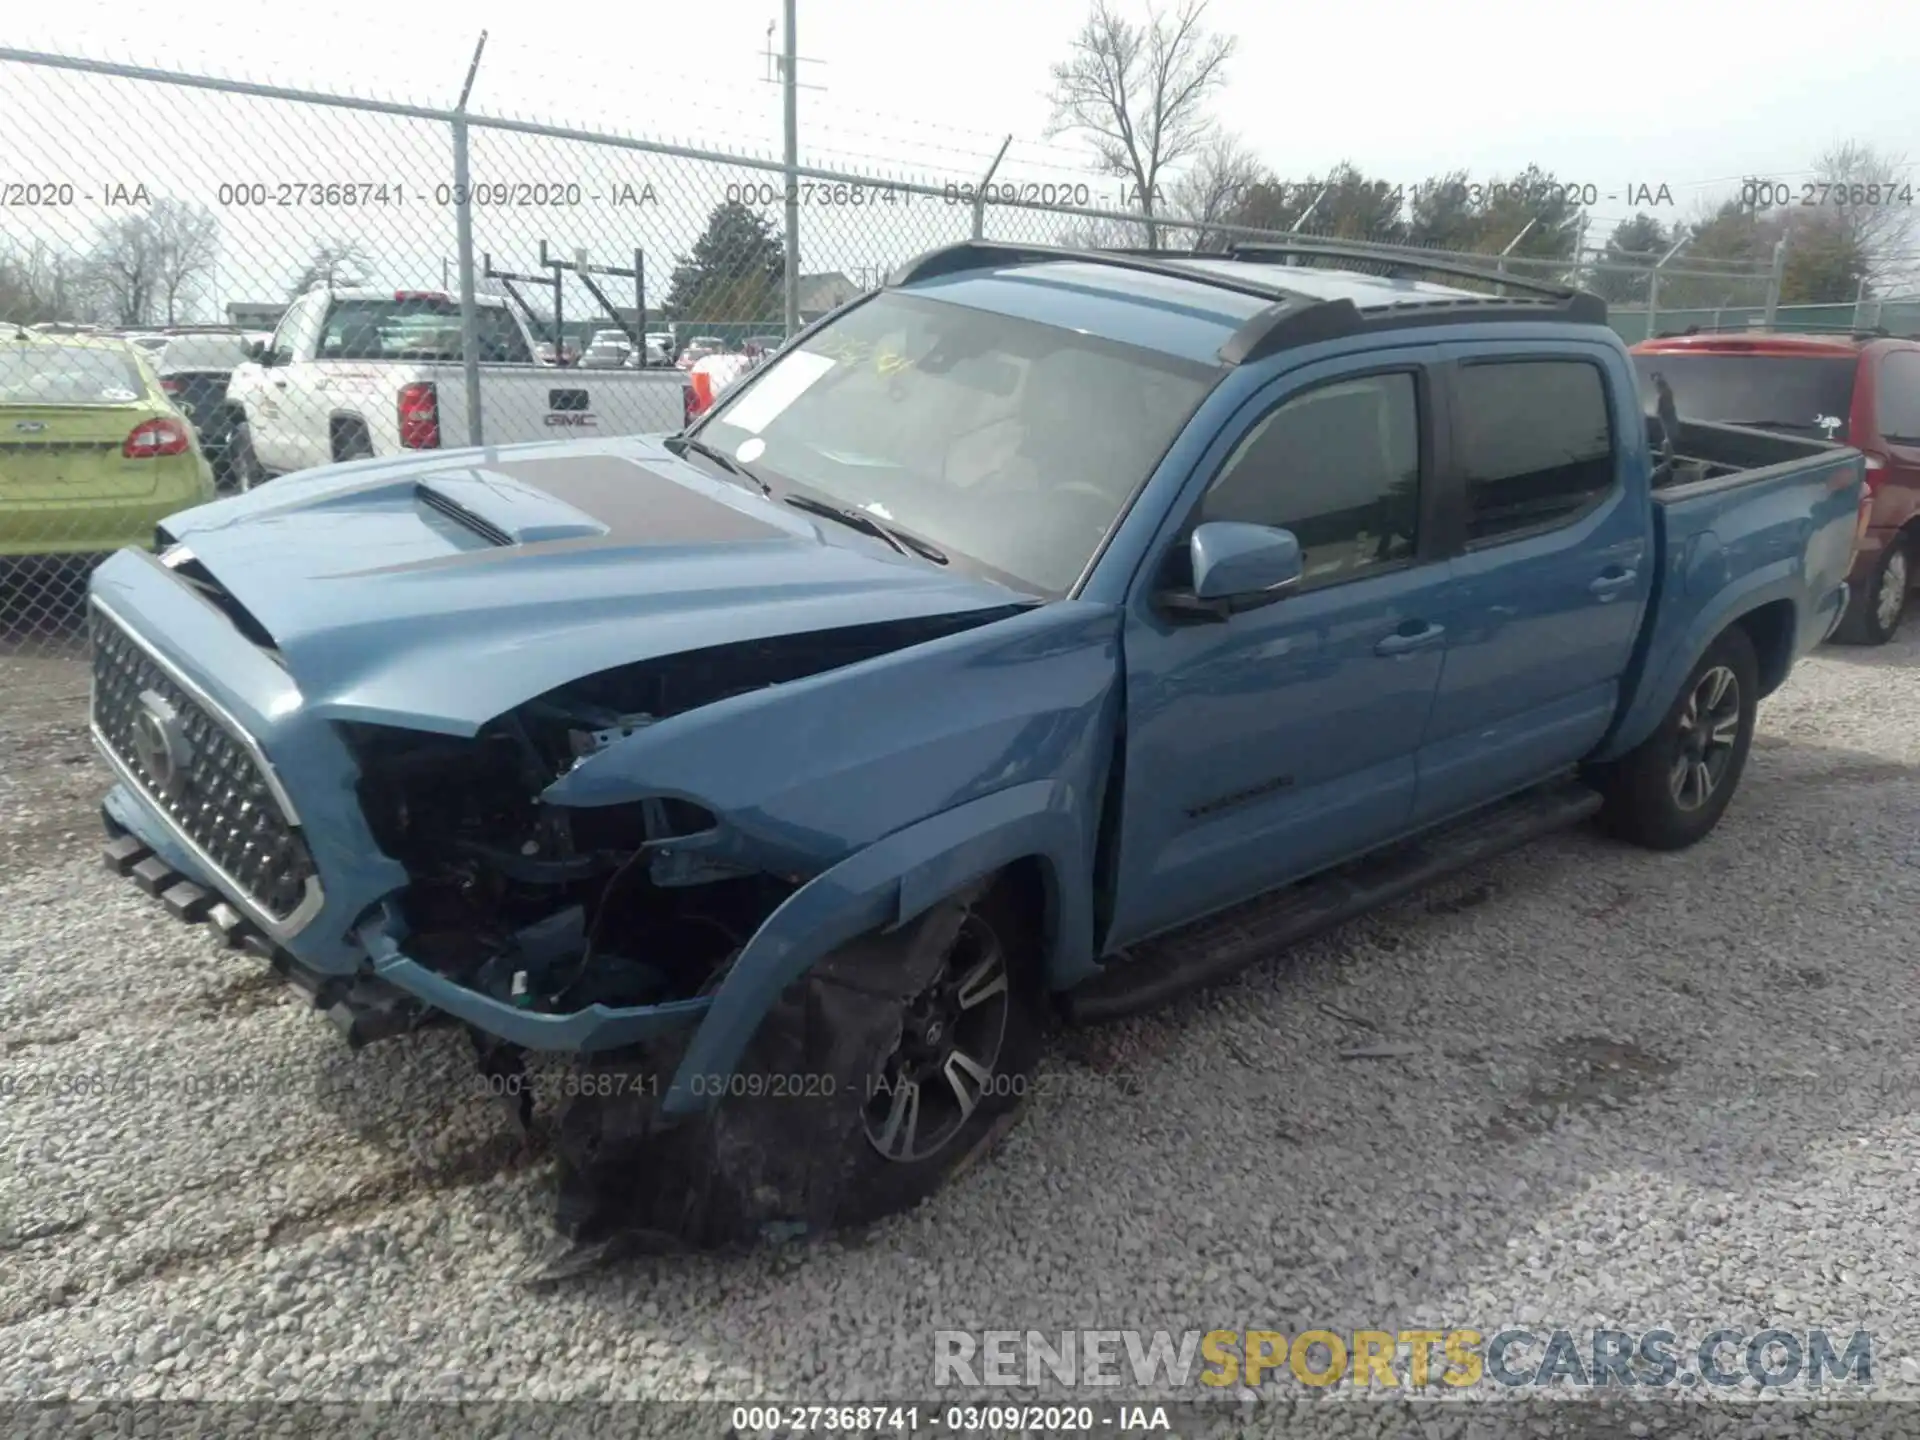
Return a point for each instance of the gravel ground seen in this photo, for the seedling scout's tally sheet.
(1628, 1089)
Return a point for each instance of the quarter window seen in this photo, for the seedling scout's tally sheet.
(1338, 466)
(1535, 444)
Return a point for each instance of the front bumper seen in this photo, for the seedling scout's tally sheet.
(387, 991)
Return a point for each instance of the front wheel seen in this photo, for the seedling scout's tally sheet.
(1875, 614)
(893, 1065)
(1671, 789)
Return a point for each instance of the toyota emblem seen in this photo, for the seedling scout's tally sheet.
(160, 744)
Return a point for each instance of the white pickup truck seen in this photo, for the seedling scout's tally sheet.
(357, 373)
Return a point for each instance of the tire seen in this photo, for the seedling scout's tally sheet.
(242, 464)
(880, 1183)
(819, 1154)
(1874, 615)
(1671, 789)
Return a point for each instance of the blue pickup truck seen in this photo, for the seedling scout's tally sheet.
(1041, 635)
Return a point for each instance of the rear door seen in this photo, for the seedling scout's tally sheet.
(1548, 502)
(1896, 404)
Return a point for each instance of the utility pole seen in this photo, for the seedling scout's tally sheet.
(790, 107)
(463, 221)
(786, 66)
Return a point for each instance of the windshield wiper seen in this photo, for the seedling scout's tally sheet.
(861, 520)
(719, 457)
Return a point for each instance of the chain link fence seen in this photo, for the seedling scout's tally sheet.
(206, 283)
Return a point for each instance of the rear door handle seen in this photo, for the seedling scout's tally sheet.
(1405, 642)
(1613, 582)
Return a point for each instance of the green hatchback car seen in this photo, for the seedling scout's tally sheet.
(93, 453)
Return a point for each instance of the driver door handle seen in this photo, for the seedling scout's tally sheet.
(1611, 582)
(1405, 642)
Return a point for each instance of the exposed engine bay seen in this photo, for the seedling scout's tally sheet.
(554, 908)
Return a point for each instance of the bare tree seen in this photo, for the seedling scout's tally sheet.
(1864, 181)
(38, 283)
(186, 240)
(1216, 188)
(337, 264)
(124, 268)
(1139, 93)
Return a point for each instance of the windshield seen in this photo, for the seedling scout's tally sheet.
(1013, 446)
(1792, 392)
(416, 328)
(41, 374)
(204, 352)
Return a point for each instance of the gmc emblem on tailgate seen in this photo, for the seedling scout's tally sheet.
(568, 407)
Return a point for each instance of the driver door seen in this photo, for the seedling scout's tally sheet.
(1262, 748)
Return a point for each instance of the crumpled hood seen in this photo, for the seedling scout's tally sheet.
(439, 591)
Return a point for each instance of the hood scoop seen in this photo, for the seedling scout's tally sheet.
(504, 511)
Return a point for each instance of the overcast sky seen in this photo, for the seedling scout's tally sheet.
(1679, 92)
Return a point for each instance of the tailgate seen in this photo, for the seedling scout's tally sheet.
(72, 452)
(547, 403)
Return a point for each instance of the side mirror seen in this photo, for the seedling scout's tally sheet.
(1237, 566)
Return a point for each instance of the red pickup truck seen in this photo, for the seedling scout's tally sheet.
(1861, 389)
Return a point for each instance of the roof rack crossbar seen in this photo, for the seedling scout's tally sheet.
(978, 254)
(1400, 259)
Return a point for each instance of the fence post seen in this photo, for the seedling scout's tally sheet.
(1774, 278)
(1653, 285)
(469, 307)
(980, 195)
(1859, 301)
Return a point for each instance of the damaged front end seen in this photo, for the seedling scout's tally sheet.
(605, 931)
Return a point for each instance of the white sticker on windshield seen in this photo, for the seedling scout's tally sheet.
(116, 394)
(750, 450)
(777, 389)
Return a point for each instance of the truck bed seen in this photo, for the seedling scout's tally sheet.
(1750, 524)
(1704, 452)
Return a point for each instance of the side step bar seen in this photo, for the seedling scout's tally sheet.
(362, 1008)
(1197, 955)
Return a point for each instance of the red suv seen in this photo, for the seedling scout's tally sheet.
(1863, 390)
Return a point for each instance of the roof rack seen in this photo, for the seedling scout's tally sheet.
(1294, 318)
(978, 254)
(1854, 332)
(1259, 250)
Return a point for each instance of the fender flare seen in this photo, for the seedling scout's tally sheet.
(1657, 689)
(883, 887)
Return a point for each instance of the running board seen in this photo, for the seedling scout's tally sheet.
(1196, 955)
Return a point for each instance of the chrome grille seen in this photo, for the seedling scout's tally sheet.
(189, 764)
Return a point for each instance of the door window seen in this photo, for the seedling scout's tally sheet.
(1535, 444)
(1339, 466)
(1899, 397)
